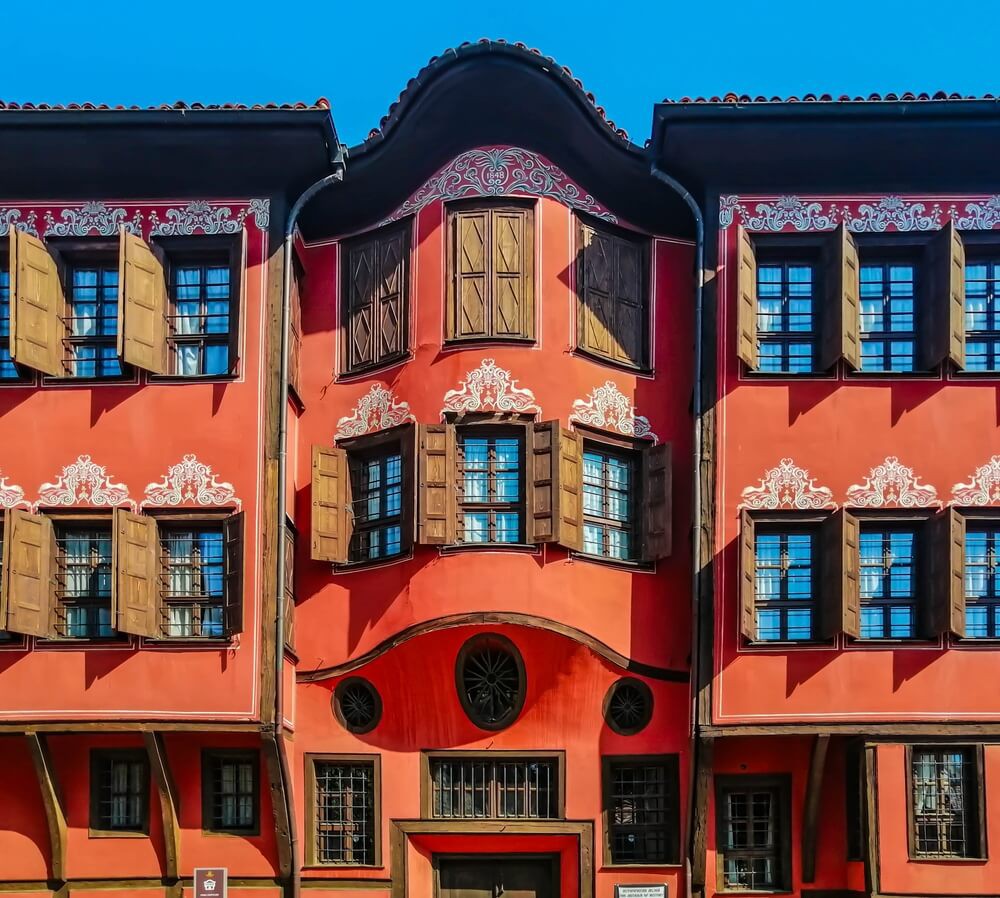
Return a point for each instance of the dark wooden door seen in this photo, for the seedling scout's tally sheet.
(494, 876)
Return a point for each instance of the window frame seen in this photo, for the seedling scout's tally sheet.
(670, 764)
(508, 645)
(499, 429)
(883, 256)
(311, 853)
(974, 519)
(188, 521)
(787, 525)
(23, 376)
(61, 521)
(779, 784)
(977, 782)
(96, 829)
(632, 452)
(237, 755)
(980, 247)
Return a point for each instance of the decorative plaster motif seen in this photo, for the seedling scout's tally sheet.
(11, 495)
(489, 388)
(202, 217)
(981, 216)
(787, 486)
(501, 171)
(84, 482)
(776, 216)
(9, 217)
(89, 219)
(982, 489)
(190, 482)
(376, 410)
(892, 484)
(609, 409)
(895, 211)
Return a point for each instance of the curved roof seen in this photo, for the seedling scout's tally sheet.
(907, 97)
(321, 103)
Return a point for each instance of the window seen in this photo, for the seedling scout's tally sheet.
(785, 587)
(641, 810)
(490, 679)
(854, 799)
(490, 485)
(343, 815)
(289, 590)
(92, 318)
(946, 802)
(613, 290)
(194, 575)
(786, 308)
(628, 706)
(377, 503)
(889, 558)
(202, 315)
(83, 581)
(495, 786)
(752, 815)
(8, 370)
(119, 791)
(491, 267)
(609, 490)
(357, 705)
(231, 791)
(982, 315)
(982, 581)
(888, 327)
(375, 298)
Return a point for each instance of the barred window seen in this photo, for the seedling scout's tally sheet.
(377, 506)
(786, 328)
(230, 791)
(345, 815)
(888, 582)
(945, 797)
(506, 788)
(609, 498)
(785, 596)
(119, 791)
(982, 582)
(888, 328)
(490, 485)
(982, 315)
(641, 807)
(83, 581)
(92, 321)
(753, 818)
(201, 320)
(194, 574)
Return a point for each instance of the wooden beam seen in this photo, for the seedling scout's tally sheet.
(699, 820)
(810, 817)
(280, 803)
(872, 876)
(159, 763)
(55, 811)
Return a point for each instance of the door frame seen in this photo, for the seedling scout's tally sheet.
(555, 865)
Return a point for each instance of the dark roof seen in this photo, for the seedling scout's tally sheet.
(906, 97)
(321, 103)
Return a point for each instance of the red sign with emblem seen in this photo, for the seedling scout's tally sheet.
(210, 882)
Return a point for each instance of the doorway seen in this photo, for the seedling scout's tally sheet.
(497, 876)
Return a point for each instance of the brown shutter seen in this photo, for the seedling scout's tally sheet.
(468, 307)
(512, 294)
(37, 306)
(142, 305)
(29, 570)
(332, 521)
(746, 298)
(436, 485)
(393, 253)
(629, 337)
(555, 473)
(360, 304)
(841, 318)
(237, 255)
(656, 502)
(946, 547)
(748, 576)
(232, 608)
(836, 576)
(947, 304)
(596, 306)
(851, 573)
(569, 495)
(135, 597)
(408, 451)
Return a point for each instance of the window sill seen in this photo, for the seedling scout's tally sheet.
(188, 640)
(622, 563)
(348, 567)
(317, 865)
(788, 643)
(612, 363)
(522, 548)
(232, 833)
(191, 378)
(890, 375)
(122, 380)
(116, 834)
(945, 859)
(645, 866)
(756, 374)
(753, 891)
(476, 342)
(368, 370)
(962, 374)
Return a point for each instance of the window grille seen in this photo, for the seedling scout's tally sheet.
(92, 322)
(193, 565)
(120, 784)
(608, 504)
(377, 506)
(786, 317)
(231, 800)
(83, 582)
(640, 810)
(201, 317)
(750, 829)
(494, 789)
(490, 486)
(888, 598)
(945, 814)
(784, 586)
(888, 329)
(346, 818)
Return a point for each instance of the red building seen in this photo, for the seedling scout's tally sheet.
(846, 611)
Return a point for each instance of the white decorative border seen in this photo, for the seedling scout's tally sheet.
(84, 482)
(892, 484)
(609, 409)
(11, 495)
(92, 218)
(983, 487)
(501, 171)
(190, 482)
(489, 388)
(787, 486)
(376, 410)
(207, 218)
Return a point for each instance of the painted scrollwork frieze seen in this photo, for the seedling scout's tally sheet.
(607, 408)
(489, 388)
(189, 482)
(377, 410)
(84, 482)
(892, 484)
(983, 488)
(787, 485)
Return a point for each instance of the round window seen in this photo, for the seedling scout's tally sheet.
(489, 676)
(628, 706)
(357, 705)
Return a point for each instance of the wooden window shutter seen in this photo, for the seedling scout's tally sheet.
(37, 306)
(237, 257)
(630, 302)
(746, 298)
(595, 288)
(512, 294)
(547, 484)
(946, 545)
(332, 521)
(656, 502)
(748, 576)
(841, 317)
(142, 305)
(436, 485)
(391, 315)
(232, 608)
(469, 305)
(29, 571)
(836, 576)
(360, 304)
(135, 596)
(408, 452)
(946, 339)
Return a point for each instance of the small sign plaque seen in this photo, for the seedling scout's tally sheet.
(644, 890)
(211, 882)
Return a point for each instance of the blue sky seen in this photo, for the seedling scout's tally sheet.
(360, 54)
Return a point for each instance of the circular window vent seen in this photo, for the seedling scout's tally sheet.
(357, 705)
(628, 706)
(489, 675)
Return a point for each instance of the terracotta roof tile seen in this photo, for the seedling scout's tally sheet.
(907, 97)
(321, 103)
